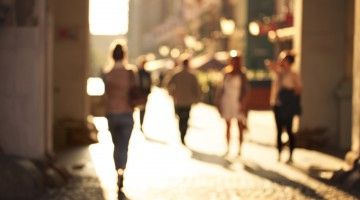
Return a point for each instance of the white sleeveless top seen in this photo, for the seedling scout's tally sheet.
(230, 106)
(287, 80)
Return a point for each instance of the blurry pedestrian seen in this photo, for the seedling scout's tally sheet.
(169, 72)
(232, 97)
(183, 86)
(285, 97)
(144, 84)
(118, 82)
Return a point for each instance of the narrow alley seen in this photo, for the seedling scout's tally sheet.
(66, 64)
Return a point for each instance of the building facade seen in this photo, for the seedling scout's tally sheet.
(324, 42)
(168, 22)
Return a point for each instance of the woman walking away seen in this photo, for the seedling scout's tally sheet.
(119, 113)
(285, 98)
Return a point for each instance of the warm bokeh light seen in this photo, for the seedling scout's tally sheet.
(108, 17)
(227, 26)
(285, 33)
(221, 56)
(234, 53)
(150, 56)
(164, 51)
(199, 46)
(254, 28)
(190, 41)
(272, 35)
(95, 86)
(175, 53)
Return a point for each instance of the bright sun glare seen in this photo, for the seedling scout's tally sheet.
(108, 17)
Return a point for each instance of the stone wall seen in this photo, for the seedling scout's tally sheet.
(356, 84)
(71, 37)
(320, 45)
(23, 90)
(71, 65)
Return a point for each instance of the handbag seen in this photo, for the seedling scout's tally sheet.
(289, 103)
(137, 97)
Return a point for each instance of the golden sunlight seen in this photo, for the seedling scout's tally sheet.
(95, 86)
(108, 17)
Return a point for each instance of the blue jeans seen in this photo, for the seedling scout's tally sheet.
(120, 126)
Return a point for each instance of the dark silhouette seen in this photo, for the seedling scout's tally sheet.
(285, 97)
(277, 178)
(145, 83)
(212, 64)
(119, 111)
(183, 86)
(212, 159)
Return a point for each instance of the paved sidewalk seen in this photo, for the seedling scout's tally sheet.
(159, 168)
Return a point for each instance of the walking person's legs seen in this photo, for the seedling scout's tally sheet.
(142, 114)
(279, 129)
(291, 137)
(184, 115)
(120, 126)
(241, 127)
(228, 134)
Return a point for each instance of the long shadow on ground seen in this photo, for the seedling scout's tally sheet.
(346, 181)
(212, 159)
(280, 179)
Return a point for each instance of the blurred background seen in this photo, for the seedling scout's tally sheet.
(53, 53)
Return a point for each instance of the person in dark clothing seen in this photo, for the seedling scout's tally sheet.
(183, 86)
(232, 98)
(285, 97)
(145, 84)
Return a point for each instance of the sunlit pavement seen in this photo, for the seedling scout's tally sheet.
(160, 168)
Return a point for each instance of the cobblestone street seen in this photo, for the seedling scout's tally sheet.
(159, 168)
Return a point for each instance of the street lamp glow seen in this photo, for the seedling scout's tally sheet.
(108, 17)
(150, 56)
(272, 35)
(254, 28)
(164, 51)
(95, 86)
(285, 33)
(175, 53)
(227, 26)
(199, 46)
(190, 41)
(234, 53)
